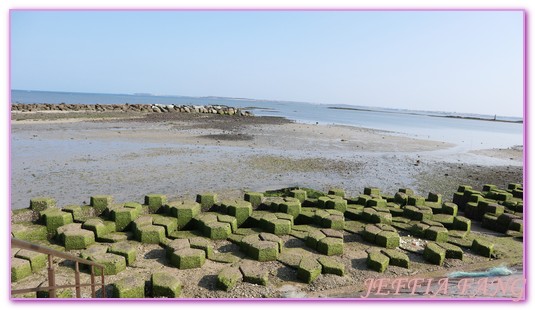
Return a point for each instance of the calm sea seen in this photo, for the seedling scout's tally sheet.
(467, 133)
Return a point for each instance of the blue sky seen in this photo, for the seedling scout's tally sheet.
(469, 61)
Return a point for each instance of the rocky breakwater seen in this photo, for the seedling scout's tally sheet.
(143, 108)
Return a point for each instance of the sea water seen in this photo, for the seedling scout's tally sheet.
(468, 132)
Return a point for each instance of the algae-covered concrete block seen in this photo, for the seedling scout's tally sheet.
(445, 219)
(495, 209)
(155, 202)
(28, 231)
(331, 266)
(418, 229)
(202, 244)
(415, 200)
(188, 258)
(450, 208)
(377, 261)
(76, 211)
(462, 223)
(100, 203)
(20, 269)
(169, 223)
(165, 285)
(207, 200)
(309, 269)
(134, 205)
(397, 258)
(141, 221)
(125, 249)
(151, 234)
(434, 253)
(42, 203)
(93, 250)
(370, 232)
(241, 210)
(337, 192)
(113, 264)
(330, 246)
(231, 220)
(290, 207)
(218, 230)
(55, 219)
(78, 239)
(483, 247)
(387, 239)
(417, 213)
(37, 260)
(336, 204)
(438, 234)
(176, 245)
(299, 194)
(516, 225)
(123, 217)
(254, 198)
(452, 251)
(276, 226)
(313, 238)
(334, 221)
(264, 251)
(401, 198)
(129, 287)
(228, 278)
(372, 191)
(185, 212)
(254, 274)
(96, 225)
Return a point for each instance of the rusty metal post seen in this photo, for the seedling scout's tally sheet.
(77, 279)
(102, 281)
(51, 278)
(93, 293)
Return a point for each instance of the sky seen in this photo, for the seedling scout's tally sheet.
(455, 61)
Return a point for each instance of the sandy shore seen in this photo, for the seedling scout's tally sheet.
(180, 155)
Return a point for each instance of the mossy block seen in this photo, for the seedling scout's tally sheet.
(290, 207)
(217, 230)
(129, 287)
(55, 219)
(254, 198)
(514, 234)
(376, 202)
(417, 213)
(397, 258)
(330, 246)
(415, 200)
(230, 220)
(331, 266)
(151, 234)
(202, 244)
(185, 212)
(188, 258)
(165, 285)
(505, 219)
(290, 258)
(134, 205)
(271, 237)
(381, 217)
(42, 203)
(462, 223)
(418, 229)
(336, 204)
(37, 260)
(29, 232)
(253, 274)
(372, 191)
(125, 249)
(337, 192)
(299, 194)
(96, 225)
(113, 264)
(387, 239)
(277, 226)
(320, 202)
(155, 202)
(438, 234)
(407, 191)
(444, 219)
(309, 269)
(434, 197)
(207, 200)
(434, 254)
(144, 220)
(461, 242)
(60, 231)
(176, 245)
(241, 210)
(169, 223)
(457, 233)
(228, 278)
(78, 239)
(20, 269)
(264, 251)
(490, 221)
(93, 250)
(116, 237)
(333, 221)
(75, 210)
(452, 251)
(516, 225)
(483, 247)
(504, 196)
(225, 258)
(401, 198)
(449, 208)
(495, 209)
(377, 261)
(313, 238)
(370, 232)
(459, 200)
(100, 203)
(518, 193)
(436, 207)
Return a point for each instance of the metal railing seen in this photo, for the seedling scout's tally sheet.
(52, 287)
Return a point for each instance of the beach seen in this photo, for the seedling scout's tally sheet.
(72, 156)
